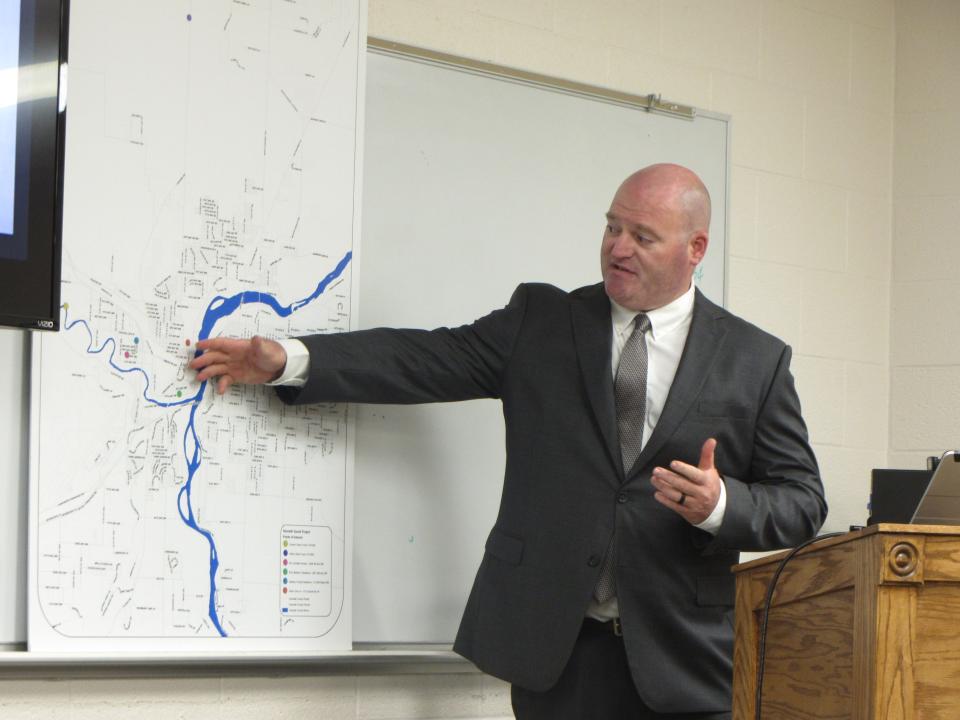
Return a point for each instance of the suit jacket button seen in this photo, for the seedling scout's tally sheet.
(622, 498)
(593, 561)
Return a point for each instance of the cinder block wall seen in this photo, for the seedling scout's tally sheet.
(810, 85)
(925, 349)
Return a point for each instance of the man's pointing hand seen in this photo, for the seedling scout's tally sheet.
(249, 362)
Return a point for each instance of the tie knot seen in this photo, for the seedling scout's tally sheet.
(641, 322)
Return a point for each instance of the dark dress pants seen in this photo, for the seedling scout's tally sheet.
(595, 685)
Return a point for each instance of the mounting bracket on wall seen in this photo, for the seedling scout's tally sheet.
(654, 103)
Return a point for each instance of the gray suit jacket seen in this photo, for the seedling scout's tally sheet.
(546, 356)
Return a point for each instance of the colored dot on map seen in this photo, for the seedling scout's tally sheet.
(284, 589)
(284, 571)
(285, 552)
(188, 342)
(126, 354)
(189, 18)
(66, 306)
(284, 561)
(136, 341)
(285, 543)
(284, 581)
(179, 393)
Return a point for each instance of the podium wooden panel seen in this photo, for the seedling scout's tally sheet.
(865, 626)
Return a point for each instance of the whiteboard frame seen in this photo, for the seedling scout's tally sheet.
(651, 102)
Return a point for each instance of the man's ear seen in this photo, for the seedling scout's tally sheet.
(698, 247)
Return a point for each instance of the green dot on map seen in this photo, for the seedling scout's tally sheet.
(179, 393)
(284, 571)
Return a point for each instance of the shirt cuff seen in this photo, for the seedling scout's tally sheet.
(298, 364)
(715, 519)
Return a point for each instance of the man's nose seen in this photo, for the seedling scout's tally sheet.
(621, 245)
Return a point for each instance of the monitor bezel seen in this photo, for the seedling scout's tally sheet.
(44, 238)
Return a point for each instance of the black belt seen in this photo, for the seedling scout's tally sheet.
(610, 626)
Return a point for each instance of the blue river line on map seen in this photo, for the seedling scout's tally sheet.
(219, 308)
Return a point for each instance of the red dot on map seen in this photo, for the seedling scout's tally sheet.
(188, 342)
(284, 589)
(126, 354)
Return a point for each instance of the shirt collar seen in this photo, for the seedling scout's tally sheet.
(662, 319)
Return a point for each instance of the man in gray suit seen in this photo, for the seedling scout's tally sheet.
(650, 437)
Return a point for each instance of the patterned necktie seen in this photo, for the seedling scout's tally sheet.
(630, 392)
(630, 395)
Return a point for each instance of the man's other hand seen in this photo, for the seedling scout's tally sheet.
(692, 492)
(249, 362)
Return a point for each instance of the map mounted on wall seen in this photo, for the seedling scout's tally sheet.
(212, 176)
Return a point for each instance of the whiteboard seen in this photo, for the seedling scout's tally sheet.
(473, 184)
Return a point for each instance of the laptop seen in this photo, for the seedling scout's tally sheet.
(940, 503)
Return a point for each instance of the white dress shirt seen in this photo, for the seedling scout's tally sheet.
(297, 369)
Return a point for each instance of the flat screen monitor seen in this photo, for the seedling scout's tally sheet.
(32, 64)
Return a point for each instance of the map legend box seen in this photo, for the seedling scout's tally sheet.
(306, 554)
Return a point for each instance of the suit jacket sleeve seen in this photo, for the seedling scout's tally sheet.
(387, 365)
(781, 503)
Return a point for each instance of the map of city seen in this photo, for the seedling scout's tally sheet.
(211, 189)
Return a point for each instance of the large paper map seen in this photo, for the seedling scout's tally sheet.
(211, 189)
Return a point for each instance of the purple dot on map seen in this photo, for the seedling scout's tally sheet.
(189, 18)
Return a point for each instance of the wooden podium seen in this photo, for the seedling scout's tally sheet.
(864, 626)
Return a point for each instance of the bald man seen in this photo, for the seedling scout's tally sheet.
(629, 488)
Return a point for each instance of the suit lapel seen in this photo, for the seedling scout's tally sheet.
(593, 332)
(707, 332)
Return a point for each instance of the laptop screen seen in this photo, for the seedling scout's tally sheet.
(940, 504)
